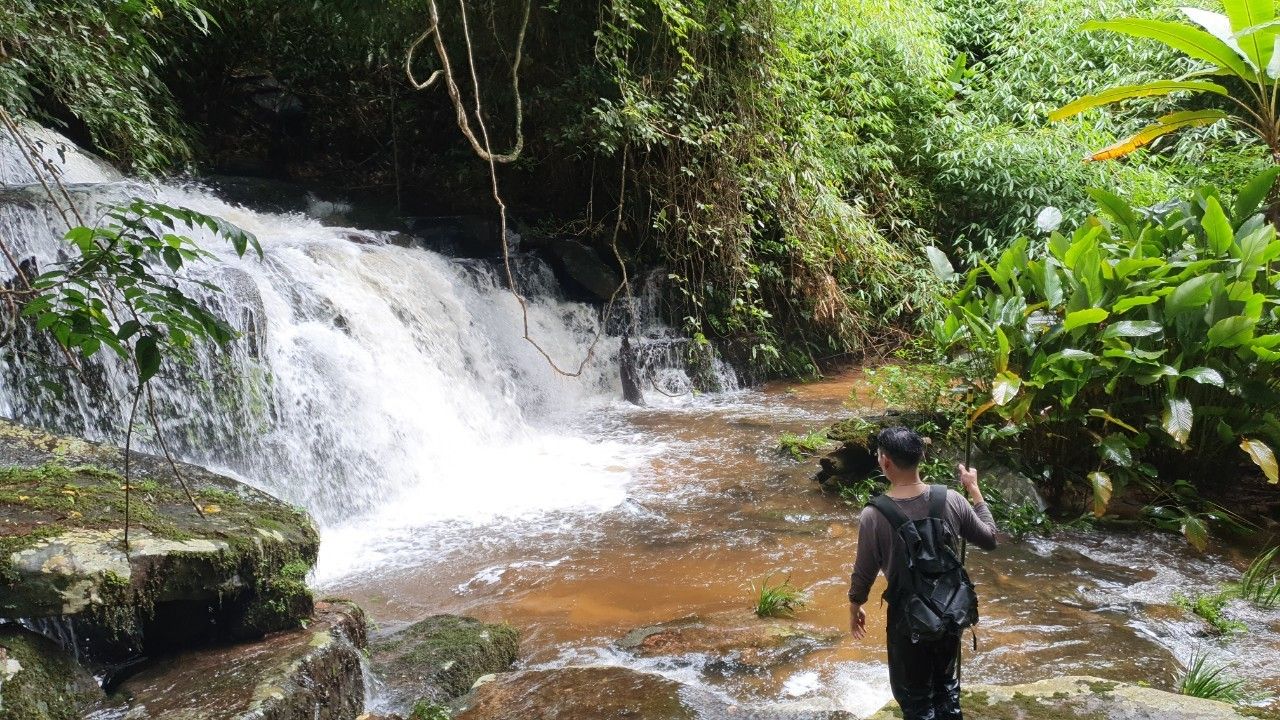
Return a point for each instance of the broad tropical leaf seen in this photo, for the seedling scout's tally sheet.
(1087, 316)
(1129, 92)
(1205, 376)
(1166, 124)
(1217, 228)
(1133, 328)
(1115, 449)
(1005, 387)
(1262, 456)
(1246, 14)
(1192, 294)
(1231, 332)
(941, 264)
(1193, 41)
(1177, 419)
(1195, 531)
(1101, 483)
(1255, 191)
(1219, 26)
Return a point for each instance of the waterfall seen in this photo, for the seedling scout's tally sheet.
(369, 375)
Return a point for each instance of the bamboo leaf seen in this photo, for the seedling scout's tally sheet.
(1177, 419)
(1165, 125)
(1129, 92)
(1192, 41)
(1262, 456)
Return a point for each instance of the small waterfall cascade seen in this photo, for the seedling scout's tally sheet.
(367, 373)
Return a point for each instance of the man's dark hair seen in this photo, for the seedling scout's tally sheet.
(903, 445)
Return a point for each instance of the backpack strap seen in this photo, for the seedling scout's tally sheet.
(889, 509)
(937, 501)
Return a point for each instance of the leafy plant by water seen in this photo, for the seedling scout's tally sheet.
(802, 446)
(1210, 607)
(780, 600)
(1204, 679)
(1142, 348)
(1260, 583)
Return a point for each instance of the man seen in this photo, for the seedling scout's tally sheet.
(922, 674)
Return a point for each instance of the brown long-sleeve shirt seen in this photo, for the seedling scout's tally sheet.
(875, 535)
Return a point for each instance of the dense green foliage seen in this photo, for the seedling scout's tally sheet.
(97, 66)
(785, 162)
(1142, 347)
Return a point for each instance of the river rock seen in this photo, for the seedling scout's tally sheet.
(576, 693)
(237, 572)
(1082, 698)
(303, 674)
(579, 266)
(438, 659)
(731, 642)
(855, 457)
(40, 681)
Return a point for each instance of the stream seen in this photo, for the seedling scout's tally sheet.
(386, 388)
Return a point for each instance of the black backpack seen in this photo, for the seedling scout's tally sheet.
(931, 591)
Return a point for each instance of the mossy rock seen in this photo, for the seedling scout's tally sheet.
(439, 658)
(1081, 698)
(303, 674)
(237, 572)
(735, 642)
(39, 681)
(854, 459)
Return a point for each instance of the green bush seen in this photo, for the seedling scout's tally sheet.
(1142, 347)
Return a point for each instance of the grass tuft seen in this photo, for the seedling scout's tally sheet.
(781, 600)
(1206, 680)
(1260, 584)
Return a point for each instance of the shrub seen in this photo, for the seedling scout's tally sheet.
(802, 446)
(1141, 348)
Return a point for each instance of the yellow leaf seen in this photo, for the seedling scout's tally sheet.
(23, 498)
(75, 515)
(1262, 456)
(1101, 492)
(1163, 126)
(210, 509)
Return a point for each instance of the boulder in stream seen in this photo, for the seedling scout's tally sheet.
(303, 674)
(438, 659)
(731, 642)
(236, 573)
(855, 457)
(1081, 698)
(40, 681)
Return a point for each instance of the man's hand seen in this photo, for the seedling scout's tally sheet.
(969, 479)
(857, 621)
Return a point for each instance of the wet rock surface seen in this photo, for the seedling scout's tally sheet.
(40, 681)
(731, 642)
(576, 693)
(235, 573)
(1082, 698)
(304, 674)
(854, 459)
(438, 659)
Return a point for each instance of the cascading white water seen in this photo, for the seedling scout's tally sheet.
(368, 376)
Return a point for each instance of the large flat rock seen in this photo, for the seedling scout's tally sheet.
(236, 572)
(1083, 698)
(304, 674)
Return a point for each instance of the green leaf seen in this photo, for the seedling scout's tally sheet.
(1163, 126)
(1115, 207)
(1205, 376)
(1133, 302)
(1231, 332)
(1132, 328)
(1192, 294)
(1217, 228)
(1193, 41)
(128, 329)
(1254, 192)
(1262, 456)
(1128, 92)
(1101, 483)
(1002, 351)
(1195, 531)
(1115, 449)
(148, 356)
(1100, 413)
(1246, 14)
(937, 259)
(1087, 316)
(1005, 387)
(1177, 419)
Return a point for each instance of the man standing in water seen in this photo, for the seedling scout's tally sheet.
(922, 673)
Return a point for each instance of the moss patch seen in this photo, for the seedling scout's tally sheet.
(243, 565)
(439, 658)
(45, 684)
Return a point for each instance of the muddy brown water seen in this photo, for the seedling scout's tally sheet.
(713, 509)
